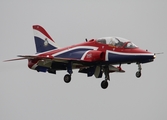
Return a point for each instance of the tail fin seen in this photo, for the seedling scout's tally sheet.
(43, 41)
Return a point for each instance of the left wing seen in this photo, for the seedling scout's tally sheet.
(48, 58)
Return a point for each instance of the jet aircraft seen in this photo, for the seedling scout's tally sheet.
(97, 57)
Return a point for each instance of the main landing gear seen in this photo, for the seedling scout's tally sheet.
(105, 69)
(104, 83)
(138, 73)
(67, 77)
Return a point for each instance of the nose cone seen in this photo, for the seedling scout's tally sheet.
(153, 56)
(145, 56)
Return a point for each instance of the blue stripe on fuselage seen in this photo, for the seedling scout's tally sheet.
(120, 58)
(76, 53)
(40, 47)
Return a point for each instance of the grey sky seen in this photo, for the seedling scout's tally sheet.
(28, 95)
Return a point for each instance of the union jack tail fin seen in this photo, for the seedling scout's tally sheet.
(43, 40)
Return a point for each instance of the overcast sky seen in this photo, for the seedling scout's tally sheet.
(28, 95)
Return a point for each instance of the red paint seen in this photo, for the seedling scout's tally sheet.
(42, 30)
(94, 55)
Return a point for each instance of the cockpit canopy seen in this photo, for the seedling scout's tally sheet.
(116, 42)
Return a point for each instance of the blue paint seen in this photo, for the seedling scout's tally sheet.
(41, 69)
(76, 54)
(90, 71)
(117, 58)
(40, 47)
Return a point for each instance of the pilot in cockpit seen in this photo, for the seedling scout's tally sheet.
(112, 41)
(115, 42)
(119, 43)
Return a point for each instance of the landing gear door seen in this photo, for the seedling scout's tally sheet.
(98, 72)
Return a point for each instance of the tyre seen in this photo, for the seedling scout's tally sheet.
(104, 84)
(138, 74)
(67, 78)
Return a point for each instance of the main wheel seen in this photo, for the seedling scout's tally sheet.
(104, 84)
(67, 78)
(138, 74)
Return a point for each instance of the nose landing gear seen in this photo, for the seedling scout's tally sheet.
(138, 73)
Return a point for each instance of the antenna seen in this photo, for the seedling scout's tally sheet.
(86, 39)
(159, 53)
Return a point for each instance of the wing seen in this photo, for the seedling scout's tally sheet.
(58, 63)
(47, 60)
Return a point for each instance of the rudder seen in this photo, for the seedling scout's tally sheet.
(43, 40)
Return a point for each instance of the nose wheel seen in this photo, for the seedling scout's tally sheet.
(138, 73)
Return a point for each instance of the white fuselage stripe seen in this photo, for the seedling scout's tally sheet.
(74, 48)
(84, 55)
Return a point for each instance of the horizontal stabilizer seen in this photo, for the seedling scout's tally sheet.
(14, 59)
(23, 57)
